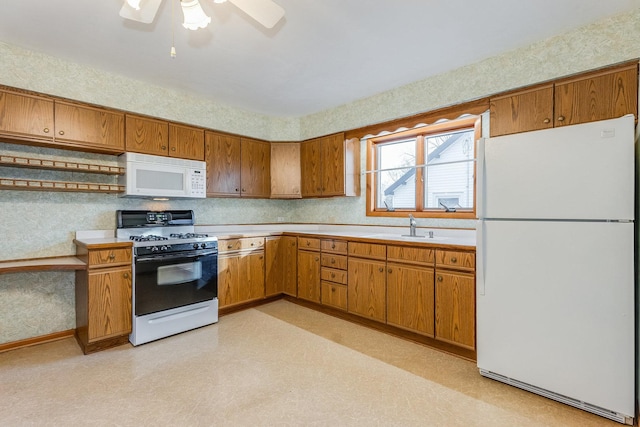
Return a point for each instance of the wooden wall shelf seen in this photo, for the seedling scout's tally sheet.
(25, 162)
(42, 264)
(42, 185)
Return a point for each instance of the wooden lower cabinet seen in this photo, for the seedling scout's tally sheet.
(241, 273)
(309, 275)
(280, 267)
(410, 298)
(455, 308)
(103, 297)
(334, 295)
(367, 288)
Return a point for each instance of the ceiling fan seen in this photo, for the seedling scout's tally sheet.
(266, 12)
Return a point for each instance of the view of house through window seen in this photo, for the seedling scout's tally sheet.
(430, 169)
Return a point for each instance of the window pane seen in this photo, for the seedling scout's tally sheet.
(450, 147)
(449, 184)
(397, 154)
(397, 188)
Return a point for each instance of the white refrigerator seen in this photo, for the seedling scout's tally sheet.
(555, 264)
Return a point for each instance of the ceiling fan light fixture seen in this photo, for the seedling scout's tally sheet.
(194, 16)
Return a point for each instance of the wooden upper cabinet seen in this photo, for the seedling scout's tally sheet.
(523, 111)
(26, 116)
(89, 128)
(311, 175)
(601, 96)
(186, 142)
(255, 170)
(330, 166)
(146, 135)
(588, 97)
(285, 170)
(222, 153)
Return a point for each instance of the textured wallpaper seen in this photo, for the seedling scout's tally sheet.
(37, 224)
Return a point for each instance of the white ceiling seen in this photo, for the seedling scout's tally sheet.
(323, 54)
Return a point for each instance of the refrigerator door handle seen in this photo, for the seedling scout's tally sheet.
(480, 257)
(480, 172)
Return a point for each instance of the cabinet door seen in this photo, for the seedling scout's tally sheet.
(606, 95)
(228, 278)
(256, 170)
(288, 250)
(455, 308)
(109, 303)
(147, 136)
(310, 173)
(251, 284)
(274, 266)
(410, 298)
(223, 165)
(26, 116)
(309, 275)
(332, 163)
(186, 142)
(91, 128)
(522, 111)
(366, 288)
(285, 170)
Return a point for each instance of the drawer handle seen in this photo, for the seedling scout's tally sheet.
(561, 119)
(125, 275)
(333, 245)
(112, 256)
(61, 132)
(308, 243)
(546, 121)
(440, 279)
(454, 259)
(46, 130)
(229, 246)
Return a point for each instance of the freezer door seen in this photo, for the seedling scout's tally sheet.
(557, 310)
(583, 171)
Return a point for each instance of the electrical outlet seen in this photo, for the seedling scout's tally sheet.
(280, 219)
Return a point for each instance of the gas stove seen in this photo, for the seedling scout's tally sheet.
(162, 232)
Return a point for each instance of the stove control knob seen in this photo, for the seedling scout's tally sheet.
(195, 246)
(203, 245)
(154, 249)
(163, 248)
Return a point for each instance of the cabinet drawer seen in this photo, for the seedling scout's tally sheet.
(334, 295)
(460, 260)
(309, 243)
(411, 255)
(334, 261)
(109, 257)
(335, 246)
(367, 250)
(333, 275)
(240, 244)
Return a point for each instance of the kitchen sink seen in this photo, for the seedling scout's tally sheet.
(392, 236)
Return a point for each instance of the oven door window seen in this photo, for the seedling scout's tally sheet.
(162, 283)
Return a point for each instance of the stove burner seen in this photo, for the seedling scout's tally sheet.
(188, 235)
(147, 238)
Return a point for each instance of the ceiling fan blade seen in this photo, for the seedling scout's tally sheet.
(146, 13)
(265, 12)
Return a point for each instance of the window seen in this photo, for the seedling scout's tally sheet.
(429, 171)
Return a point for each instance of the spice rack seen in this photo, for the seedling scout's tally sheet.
(50, 164)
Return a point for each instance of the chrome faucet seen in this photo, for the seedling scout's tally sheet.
(412, 226)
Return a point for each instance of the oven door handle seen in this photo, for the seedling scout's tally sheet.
(168, 257)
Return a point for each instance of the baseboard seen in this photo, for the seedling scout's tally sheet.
(36, 340)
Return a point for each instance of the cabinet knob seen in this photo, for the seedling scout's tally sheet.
(308, 243)
(454, 259)
(112, 256)
(252, 243)
(243, 190)
(229, 246)
(390, 270)
(333, 245)
(125, 275)
(333, 289)
(333, 275)
(317, 259)
(546, 121)
(561, 119)
(440, 279)
(46, 130)
(61, 132)
(173, 148)
(236, 190)
(381, 269)
(164, 147)
(333, 260)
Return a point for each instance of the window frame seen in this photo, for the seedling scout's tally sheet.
(469, 122)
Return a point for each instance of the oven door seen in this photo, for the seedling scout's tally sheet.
(166, 281)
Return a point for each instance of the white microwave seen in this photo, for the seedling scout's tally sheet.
(162, 177)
